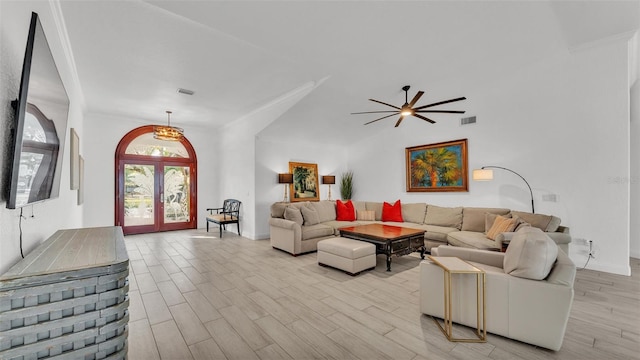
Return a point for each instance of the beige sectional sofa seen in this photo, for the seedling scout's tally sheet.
(296, 233)
(529, 289)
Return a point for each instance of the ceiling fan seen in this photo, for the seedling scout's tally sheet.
(408, 108)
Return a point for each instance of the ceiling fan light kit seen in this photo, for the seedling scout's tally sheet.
(408, 108)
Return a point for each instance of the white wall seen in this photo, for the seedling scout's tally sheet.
(52, 215)
(272, 158)
(237, 151)
(634, 180)
(562, 123)
(104, 132)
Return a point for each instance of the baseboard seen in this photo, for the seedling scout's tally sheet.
(624, 269)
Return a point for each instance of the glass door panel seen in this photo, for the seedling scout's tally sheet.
(139, 190)
(177, 199)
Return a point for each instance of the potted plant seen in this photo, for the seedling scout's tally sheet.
(346, 185)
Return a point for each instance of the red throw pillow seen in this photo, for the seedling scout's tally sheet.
(392, 212)
(345, 211)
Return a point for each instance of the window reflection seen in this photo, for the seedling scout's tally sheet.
(145, 144)
(40, 147)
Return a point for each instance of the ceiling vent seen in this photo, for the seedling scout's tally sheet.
(468, 120)
(185, 91)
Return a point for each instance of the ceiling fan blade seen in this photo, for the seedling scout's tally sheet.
(441, 111)
(416, 98)
(374, 112)
(424, 118)
(440, 103)
(384, 117)
(399, 120)
(384, 103)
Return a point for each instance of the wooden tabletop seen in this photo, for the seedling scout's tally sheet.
(382, 231)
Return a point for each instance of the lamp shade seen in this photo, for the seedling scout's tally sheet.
(482, 174)
(328, 179)
(285, 178)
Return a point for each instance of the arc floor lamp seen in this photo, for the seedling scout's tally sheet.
(486, 174)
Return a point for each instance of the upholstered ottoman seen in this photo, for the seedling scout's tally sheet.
(350, 255)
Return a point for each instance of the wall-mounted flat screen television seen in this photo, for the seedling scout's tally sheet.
(40, 128)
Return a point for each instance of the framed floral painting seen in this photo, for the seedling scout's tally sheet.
(438, 167)
(305, 182)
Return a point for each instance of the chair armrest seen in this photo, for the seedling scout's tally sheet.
(212, 209)
(492, 258)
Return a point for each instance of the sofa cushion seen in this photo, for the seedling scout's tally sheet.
(473, 218)
(520, 223)
(316, 231)
(392, 212)
(444, 216)
(326, 210)
(345, 211)
(543, 222)
(366, 215)
(531, 254)
(501, 224)
(471, 239)
(375, 206)
(293, 214)
(437, 233)
(310, 215)
(414, 212)
(277, 209)
(490, 218)
(359, 205)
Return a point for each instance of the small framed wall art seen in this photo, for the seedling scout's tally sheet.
(305, 182)
(438, 167)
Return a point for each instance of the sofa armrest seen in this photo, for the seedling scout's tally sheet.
(283, 223)
(492, 258)
(285, 235)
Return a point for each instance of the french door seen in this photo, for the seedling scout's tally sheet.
(154, 192)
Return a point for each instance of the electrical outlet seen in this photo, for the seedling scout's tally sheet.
(550, 197)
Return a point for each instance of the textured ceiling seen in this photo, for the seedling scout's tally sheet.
(240, 56)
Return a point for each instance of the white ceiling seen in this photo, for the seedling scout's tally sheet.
(240, 56)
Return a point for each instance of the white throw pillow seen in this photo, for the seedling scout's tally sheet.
(531, 254)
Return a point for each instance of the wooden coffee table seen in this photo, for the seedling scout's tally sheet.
(389, 240)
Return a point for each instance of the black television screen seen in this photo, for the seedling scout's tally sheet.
(40, 125)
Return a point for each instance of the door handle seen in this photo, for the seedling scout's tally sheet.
(161, 197)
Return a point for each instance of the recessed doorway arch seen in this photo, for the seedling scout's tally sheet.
(155, 183)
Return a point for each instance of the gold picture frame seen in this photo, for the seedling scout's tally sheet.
(305, 185)
(438, 167)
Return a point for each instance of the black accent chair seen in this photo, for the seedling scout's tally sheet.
(229, 213)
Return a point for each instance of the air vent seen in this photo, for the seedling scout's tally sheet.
(468, 120)
(185, 91)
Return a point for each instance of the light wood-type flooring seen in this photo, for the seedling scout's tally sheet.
(195, 296)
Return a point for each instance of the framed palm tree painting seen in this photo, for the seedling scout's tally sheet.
(305, 182)
(437, 167)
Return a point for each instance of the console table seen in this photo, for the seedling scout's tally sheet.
(454, 265)
(68, 298)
